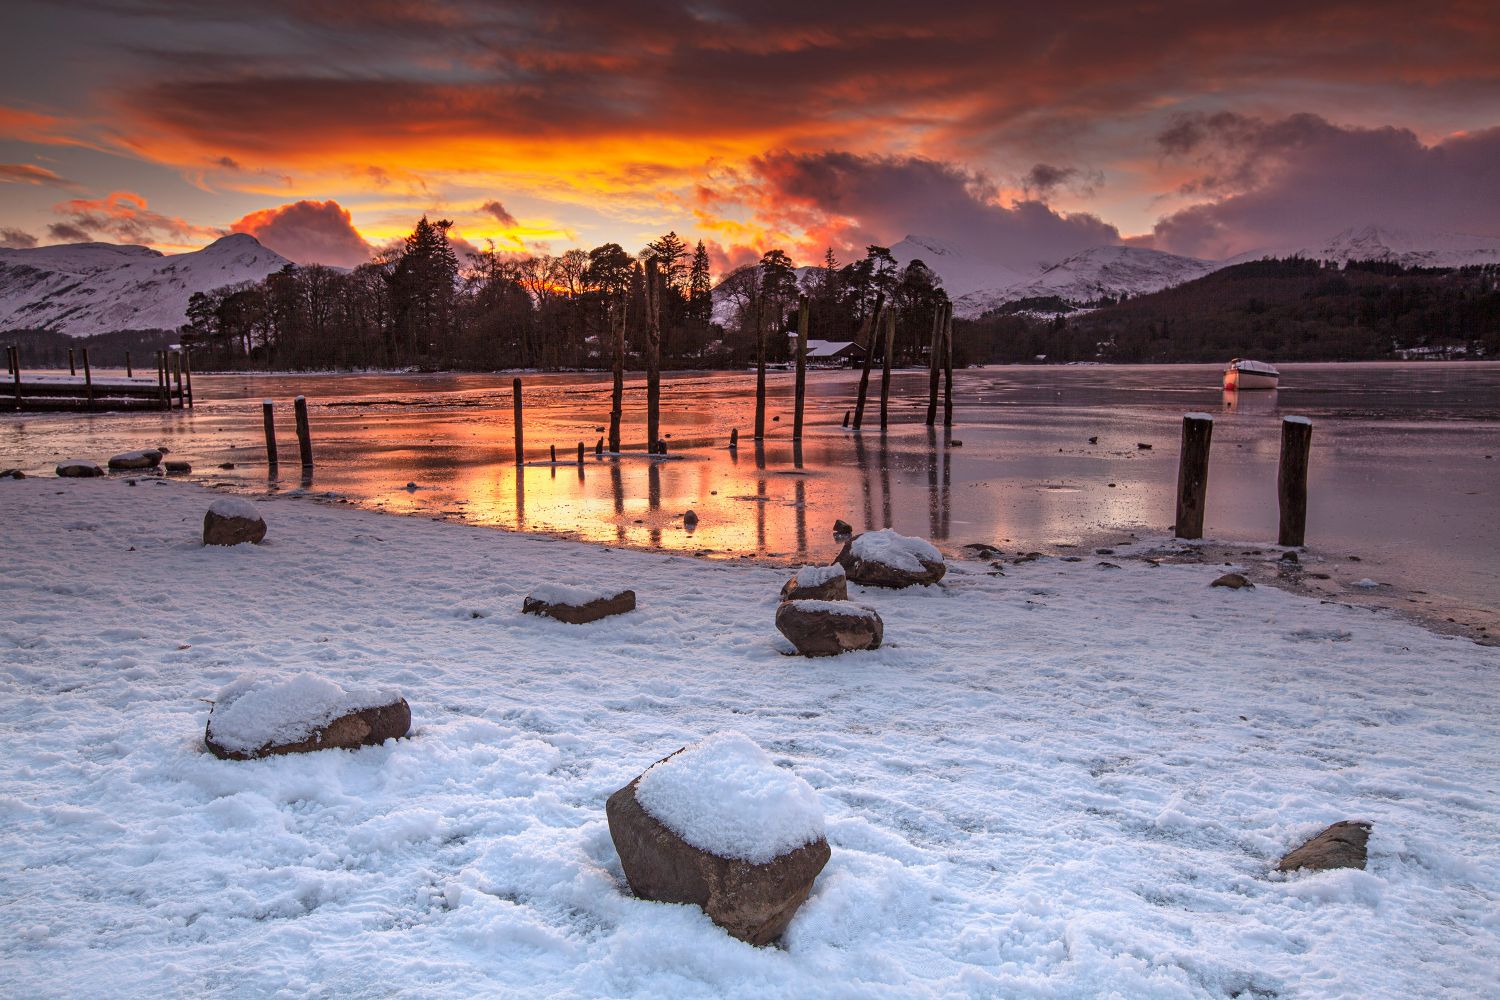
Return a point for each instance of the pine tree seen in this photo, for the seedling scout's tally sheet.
(422, 288)
(700, 286)
(669, 252)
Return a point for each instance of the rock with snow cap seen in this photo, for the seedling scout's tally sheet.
(577, 605)
(720, 826)
(260, 716)
(78, 468)
(148, 458)
(1342, 845)
(1234, 581)
(828, 628)
(232, 521)
(887, 559)
(817, 583)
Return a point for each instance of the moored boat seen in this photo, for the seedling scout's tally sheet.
(1242, 374)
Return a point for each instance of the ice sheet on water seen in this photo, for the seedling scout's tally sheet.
(891, 549)
(257, 709)
(725, 796)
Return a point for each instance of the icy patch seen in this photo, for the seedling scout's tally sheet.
(1367, 583)
(725, 796)
(234, 507)
(573, 597)
(835, 607)
(816, 576)
(898, 551)
(256, 710)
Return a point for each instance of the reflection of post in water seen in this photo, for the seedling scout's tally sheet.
(862, 460)
(885, 482)
(946, 501)
(800, 512)
(933, 513)
(653, 498)
(617, 486)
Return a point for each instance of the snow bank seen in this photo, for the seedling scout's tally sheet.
(725, 796)
(835, 607)
(257, 709)
(891, 549)
(571, 596)
(235, 507)
(816, 576)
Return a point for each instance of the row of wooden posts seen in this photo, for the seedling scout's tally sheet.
(1291, 477)
(170, 366)
(304, 433)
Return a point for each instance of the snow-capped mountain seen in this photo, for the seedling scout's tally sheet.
(87, 288)
(1404, 247)
(961, 272)
(1109, 271)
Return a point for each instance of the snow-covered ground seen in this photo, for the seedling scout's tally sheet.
(1067, 781)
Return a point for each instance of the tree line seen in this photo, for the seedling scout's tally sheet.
(419, 306)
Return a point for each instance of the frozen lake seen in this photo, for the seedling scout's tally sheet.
(1403, 463)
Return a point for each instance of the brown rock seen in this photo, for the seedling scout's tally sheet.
(12, 474)
(148, 459)
(1342, 845)
(229, 529)
(751, 902)
(366, 727)
(1233, 581)
(877, 574)
(818, 629)
(842, 529)
(76, 469)
(833, 589)
(581, 614)
(179, 468)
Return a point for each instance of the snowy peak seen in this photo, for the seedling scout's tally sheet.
(1098, 273)
(961, 272)
(87, 288)
(1396, 246)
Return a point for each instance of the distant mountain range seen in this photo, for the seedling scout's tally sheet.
(87, 288)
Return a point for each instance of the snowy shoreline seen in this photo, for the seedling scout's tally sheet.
(1059, 782)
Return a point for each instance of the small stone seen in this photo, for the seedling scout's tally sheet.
(955, 444)
(1111, 485)
(842, 529)
(1289, 557)
(1093, 440)
(1104, 552)
(1342, 845)
(233, 521)
(1234, 581)
(226, 465)
(1072, 558)
(12, 474)
(690, 519)
(75, 468)
(1107, 565)
(577, 611)
(1028, 557)
(983, 550)
(178, 468)
(148, 459)
(1142, 446)
(828, 628)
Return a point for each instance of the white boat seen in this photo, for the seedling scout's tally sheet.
(1242, 374)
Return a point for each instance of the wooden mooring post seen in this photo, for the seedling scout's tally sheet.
(802, 320)
(1291, 480)
(515, 405)
(653, 354)
(760, 373)
(129, 369)
(268, 420)
(948, 364)
(304, 433)
(161, 380)
(933, 349)
(14, 354)
(177, 371)
(734, 438)
(885, 367)
(187, 370)
(1192, 474)
(88, 378)
(580, 453)
(72, 368)
(553, 452)
(867, 334)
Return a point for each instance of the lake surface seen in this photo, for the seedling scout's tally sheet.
(1404, 461)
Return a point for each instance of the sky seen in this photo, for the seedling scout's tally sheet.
(1018, 133)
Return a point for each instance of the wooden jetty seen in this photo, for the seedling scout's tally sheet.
(46, 391)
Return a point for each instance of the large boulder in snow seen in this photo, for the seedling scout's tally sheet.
(263, 716)
(1342, 845)
(78, 468)
(887, 559)
(131, 460)
(720, 826)
(828, 628)
(577, 605)
(817, 583)
(231, 521)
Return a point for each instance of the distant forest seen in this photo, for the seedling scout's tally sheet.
(1276, 310)
(417, 306)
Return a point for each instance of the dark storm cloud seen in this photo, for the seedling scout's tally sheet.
(1299, 179)
(308, 232)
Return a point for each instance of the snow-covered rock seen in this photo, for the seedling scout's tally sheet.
(577, 605)
(148, 458)
(87, 288)
(258, 716)
(719, 825)
(828, 628)
(887, 558)
(233, 521)
(78, 468)
(817, 583)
